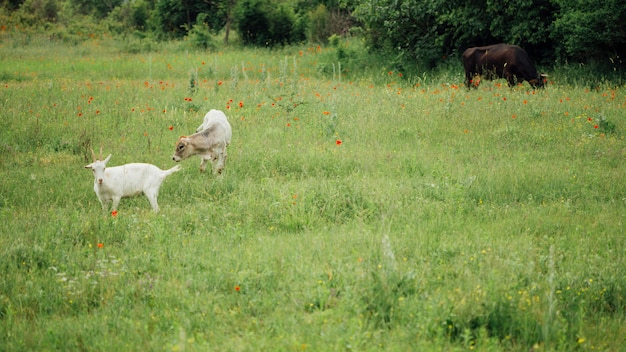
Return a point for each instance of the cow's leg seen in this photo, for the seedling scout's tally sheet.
(512, 80)
(221, 161)
(509, 76)
(203, 163)
(468, 79)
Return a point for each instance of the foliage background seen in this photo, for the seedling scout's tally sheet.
(414, 35)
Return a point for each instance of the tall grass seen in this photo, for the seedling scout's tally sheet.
(371, 210)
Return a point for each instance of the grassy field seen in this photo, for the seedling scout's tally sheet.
(362, 211)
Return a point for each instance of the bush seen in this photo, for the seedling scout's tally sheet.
(200, 35)
(263, 23)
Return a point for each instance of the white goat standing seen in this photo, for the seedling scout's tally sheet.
(113, 183)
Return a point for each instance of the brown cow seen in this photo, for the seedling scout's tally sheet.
(501, 61)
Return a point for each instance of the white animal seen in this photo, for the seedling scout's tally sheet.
(209, 142)
(210, 117)
(113, 183)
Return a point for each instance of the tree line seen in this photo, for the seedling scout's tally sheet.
(409, 32)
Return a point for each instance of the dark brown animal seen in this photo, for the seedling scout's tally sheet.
(500, 61)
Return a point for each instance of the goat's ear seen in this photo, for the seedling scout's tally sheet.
(90, 166)
(107, 159)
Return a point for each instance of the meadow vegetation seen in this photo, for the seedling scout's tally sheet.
(360, 209)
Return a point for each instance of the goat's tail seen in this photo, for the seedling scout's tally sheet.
(172, 170)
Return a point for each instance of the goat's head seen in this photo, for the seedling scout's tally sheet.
(183, 149)
(98, 167)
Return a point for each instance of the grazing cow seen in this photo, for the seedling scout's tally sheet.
(500, 61)
(209, 143)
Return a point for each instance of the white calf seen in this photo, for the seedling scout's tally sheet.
(210, 117)
(113, 183)
(209, 143)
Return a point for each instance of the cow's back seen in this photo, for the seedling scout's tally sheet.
(217, 131)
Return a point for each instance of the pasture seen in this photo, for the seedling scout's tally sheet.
(357, 211)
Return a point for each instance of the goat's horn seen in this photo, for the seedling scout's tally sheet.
(93, 155)
(100, 151)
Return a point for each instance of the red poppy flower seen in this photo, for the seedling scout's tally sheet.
(114, 213)
(241, 104)
(237, 288)
(338, 142)
(100, 244)
(171, 128)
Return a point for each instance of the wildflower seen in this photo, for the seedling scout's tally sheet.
(219, 83)
(100, 245)
(114, 213)
(237, 288)
(241, 104)
(595, 126)
(171, 128)
(326, 112)
(338, 142)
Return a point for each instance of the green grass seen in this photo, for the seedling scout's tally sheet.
(358, 211)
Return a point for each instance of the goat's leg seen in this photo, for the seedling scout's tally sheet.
(116, 202)
(152, 197)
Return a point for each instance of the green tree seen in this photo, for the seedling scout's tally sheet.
(591, 30)
(176, 17)
(97, 8)
(267, 23)
(420, 31)
(406, 30)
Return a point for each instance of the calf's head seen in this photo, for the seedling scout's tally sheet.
(183, 149)
(98, 167)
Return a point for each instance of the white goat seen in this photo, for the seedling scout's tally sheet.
(209, 143)
(113, 183)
